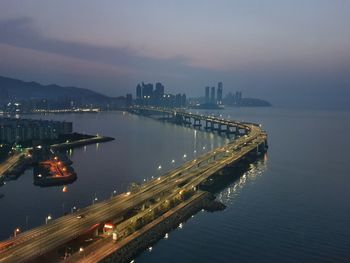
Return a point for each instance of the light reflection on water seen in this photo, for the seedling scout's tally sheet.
(255, 170)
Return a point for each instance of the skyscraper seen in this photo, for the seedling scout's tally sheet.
(219, 93)
(138, 92)
(178, 100)
(212, 97)
(207, 95)
(147, 91)
(159, 91)
(183, 100)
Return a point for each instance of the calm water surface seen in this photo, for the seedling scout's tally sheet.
(293, 206)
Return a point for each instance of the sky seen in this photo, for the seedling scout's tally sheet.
(286, 51)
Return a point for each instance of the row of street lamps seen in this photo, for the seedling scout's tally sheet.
(95, 199)
(49, 217)
(160, 167)
(184, 157)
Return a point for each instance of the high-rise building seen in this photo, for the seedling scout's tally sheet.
(138, 92)
(212, 97)
(178, 100)
(147, 91)
(219, 93)
(207, 100)
(183, 100)
(159, 91)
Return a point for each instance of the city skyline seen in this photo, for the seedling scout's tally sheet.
(280, 51)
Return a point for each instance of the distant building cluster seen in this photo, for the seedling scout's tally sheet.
(20, 130)
(212, 97)
(146, 94)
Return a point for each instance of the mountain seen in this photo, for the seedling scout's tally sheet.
(18, 90)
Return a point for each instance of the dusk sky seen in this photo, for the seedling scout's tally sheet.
(286, 51)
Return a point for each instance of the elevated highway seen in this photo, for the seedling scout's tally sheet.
(249, 140)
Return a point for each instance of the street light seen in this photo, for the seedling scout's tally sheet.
(74, 208)
(16, 231)
(159, 167)
(172, 161)
(94, 200)
(48, 218)
(81, 251)
(185, 155)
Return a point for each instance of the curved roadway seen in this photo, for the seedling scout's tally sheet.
(38, 241)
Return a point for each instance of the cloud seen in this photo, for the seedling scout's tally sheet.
(27, 52)
(22, 33)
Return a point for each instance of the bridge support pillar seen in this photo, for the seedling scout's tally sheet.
(226, 129)
(187, 121)
(197, 123)
(229, 129)
(213, 126)
(237, 131)
(208, 125)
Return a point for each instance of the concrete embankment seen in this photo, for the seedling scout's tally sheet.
(125, 250)
(156, 230)
(80, 143)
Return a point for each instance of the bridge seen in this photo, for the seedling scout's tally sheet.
(196, 120)
(146, 202)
